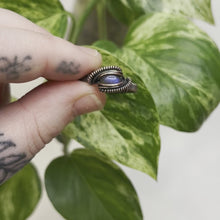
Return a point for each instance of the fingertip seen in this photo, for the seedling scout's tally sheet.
(93, 57)
(94, 100)
(101, 97)
(87, 104)
(94, 53)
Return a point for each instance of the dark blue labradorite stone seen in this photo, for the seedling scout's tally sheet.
(111, 79)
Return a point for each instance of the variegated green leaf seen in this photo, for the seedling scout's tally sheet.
(49, 14)
(200, 9)
(20, 194)
(128, 10)
(88, 186)
(126, 130)
(55, 24)
(180, 66)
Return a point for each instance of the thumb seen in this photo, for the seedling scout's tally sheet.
(31, 122)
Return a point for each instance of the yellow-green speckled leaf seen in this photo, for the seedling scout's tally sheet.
(180, 66)
(47, 13)
(20, 194)
(200, 9)
(127, 130)
(55, 24)
(129, 10)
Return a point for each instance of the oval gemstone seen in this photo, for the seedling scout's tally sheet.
(111, 79)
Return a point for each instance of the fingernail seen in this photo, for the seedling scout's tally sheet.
(89, 51)
(86, 104)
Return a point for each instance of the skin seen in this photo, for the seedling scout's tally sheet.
(26, 53)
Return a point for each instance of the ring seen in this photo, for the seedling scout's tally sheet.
(110, 79)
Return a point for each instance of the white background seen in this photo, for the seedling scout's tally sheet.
(188, 186)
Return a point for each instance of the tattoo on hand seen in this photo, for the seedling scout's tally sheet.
(14, 67)
(68, 68)
(10, 161)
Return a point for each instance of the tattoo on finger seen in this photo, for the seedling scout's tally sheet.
(68, 68)
(15, 66)
(10, 160)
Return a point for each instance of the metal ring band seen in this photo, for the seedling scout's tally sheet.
(104, 77)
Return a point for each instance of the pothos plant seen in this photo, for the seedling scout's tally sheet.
(177, 69)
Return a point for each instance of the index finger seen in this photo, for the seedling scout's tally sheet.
(27, 55)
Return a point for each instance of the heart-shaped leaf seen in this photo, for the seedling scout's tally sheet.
(49, 14)
(180, 66)
(86, 185)
(127, 11)
(126, 130)
(20, 194)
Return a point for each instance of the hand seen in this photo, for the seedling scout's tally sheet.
(26, 53)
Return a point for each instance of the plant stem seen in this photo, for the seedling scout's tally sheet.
(81, 20)
(72, 25)
(62, 138)
(65, 149)
(101, 16)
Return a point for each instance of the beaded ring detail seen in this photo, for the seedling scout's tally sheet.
(110, 79)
